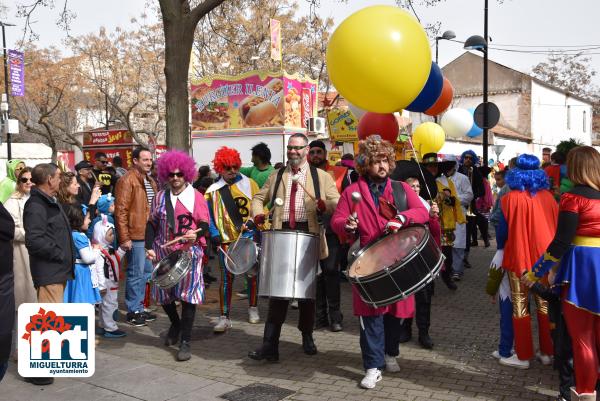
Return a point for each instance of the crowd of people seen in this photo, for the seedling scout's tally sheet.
(78, 236)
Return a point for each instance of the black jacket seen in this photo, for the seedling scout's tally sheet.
(85, 191)
(7, 285)
(48, 240)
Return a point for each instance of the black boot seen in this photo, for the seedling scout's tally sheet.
(424, 339)
(308, 344)
(405, 330)
(173, 335)
(448, 280)
(270, 347)
(184, 352)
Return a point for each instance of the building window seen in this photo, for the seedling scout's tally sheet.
(584, 121)
(568, 117)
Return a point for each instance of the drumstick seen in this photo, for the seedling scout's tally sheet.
(356, 199)
(226, 255)
(241, 232)
(166, 244)
(296, 179)
(420, 169)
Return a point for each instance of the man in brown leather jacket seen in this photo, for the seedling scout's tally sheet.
(134, 193)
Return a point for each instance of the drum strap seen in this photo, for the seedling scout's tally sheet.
(231, 207)
(399, 196)
(170, 211)
(277, 182)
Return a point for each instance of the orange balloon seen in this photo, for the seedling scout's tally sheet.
(443, 102)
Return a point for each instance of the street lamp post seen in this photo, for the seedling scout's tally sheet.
(477, 42)
(7, 115)
(447, 35)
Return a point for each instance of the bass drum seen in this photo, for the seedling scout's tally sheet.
(396, 266)
(171, 269)
(288, 264)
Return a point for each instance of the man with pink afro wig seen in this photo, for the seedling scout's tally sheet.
(229, 204)
(175, 160)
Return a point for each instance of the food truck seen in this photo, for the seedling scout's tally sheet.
(243, 110)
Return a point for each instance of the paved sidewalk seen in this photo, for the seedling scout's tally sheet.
(460, 368)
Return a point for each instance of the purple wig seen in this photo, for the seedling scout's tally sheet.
(175, 160)
(473, 157)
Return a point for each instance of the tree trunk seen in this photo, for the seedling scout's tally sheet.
(179, 37)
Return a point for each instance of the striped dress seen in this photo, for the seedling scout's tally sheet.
(191, 288)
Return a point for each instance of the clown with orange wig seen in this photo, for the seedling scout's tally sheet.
(177, 211)
(229, 205)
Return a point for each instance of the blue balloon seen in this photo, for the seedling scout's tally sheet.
(430, 92)
(475, 131)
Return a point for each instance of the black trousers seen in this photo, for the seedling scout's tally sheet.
(186, 322)
(447, 251)
(475, 222)
(328, 284)
(423, 307)
(278, 307)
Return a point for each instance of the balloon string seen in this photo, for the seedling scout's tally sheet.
(420, 168)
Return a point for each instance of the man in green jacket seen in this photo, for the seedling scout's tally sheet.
(262, 169)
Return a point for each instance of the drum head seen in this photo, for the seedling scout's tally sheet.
(167, 263)
(387, 251)
(243, 255)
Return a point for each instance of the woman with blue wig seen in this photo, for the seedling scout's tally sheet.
(526, 227)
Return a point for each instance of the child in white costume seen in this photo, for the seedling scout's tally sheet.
(104, 235)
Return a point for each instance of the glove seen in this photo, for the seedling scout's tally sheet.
(393, 225)
(259, 219)
(250, 225)
(321, 207)
(497, 259)
(542, 266)
(216, 240)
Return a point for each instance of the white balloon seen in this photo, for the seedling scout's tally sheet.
(457, 122)
(357, 111)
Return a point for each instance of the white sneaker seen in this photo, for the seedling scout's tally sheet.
(371, 378)
(222, 325)
(391, 364)
(241, 295)
(496, 354)
(253, 316)
(514, 362)
(543, 358)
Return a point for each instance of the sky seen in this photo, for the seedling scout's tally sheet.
(545, 23)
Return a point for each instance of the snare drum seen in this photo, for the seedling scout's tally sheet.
(288, 264)
(243, 256)
(396, 266)
(171, 269)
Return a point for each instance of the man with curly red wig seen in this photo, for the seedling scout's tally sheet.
(229, 205)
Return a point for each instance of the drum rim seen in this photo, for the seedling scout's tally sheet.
(411, 291)
(287, 231)
(419, 247)
(256, 252)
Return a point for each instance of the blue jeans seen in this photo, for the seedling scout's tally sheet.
(139, 270)
(458, 260)
(506, 328)
(379, 335)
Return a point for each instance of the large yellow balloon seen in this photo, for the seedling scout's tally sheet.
(428, 138)
(379, 59)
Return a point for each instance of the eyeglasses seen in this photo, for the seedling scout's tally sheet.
(316, 151)
(290, 147)
(173, 175)
(103, 161)
(23, 180)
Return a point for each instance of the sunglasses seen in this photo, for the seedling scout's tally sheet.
(290, 147)
(316, 151)
(173, 175)
(23, 180)
(467, 157)
(103, 161)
